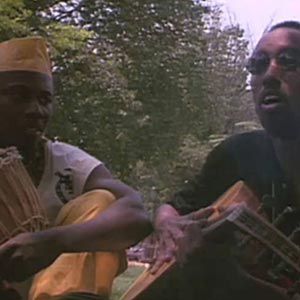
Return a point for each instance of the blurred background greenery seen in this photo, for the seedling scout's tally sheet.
(125, 280)
(148, 87)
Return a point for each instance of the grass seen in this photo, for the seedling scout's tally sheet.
(124, 281)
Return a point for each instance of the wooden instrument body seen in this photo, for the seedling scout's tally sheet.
(20, 206)
(152, 286)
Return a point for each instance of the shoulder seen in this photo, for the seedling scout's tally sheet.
(250, 148)
(60, 148)
(247, 142)
(253, 137)
(69, 152)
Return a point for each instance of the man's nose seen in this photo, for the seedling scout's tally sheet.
(35, 108)
(272, 76)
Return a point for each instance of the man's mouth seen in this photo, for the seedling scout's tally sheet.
(271, 102)
(34, 132)
(35, 125)
(35, 129)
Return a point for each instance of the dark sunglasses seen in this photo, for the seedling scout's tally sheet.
(287, 60)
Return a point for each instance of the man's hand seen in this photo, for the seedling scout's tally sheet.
(171, 230)
(26, 254)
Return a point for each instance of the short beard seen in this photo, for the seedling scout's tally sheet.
(287, 129)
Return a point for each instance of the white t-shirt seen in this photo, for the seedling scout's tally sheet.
(65, 173)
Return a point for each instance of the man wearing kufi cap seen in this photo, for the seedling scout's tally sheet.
(83, 250)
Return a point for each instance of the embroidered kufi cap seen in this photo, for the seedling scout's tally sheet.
(25, 54)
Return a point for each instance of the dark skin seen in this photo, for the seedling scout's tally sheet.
(26, 105)
(276, 94)
(282, 120)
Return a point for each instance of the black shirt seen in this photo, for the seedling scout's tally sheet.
(249, 157)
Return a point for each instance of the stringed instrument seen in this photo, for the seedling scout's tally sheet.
(247, 218)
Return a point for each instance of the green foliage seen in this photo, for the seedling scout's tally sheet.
(140, 84)
(150, 45)
(124, 281)
(13, 19)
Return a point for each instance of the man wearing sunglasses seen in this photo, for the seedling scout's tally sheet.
(268, 161)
